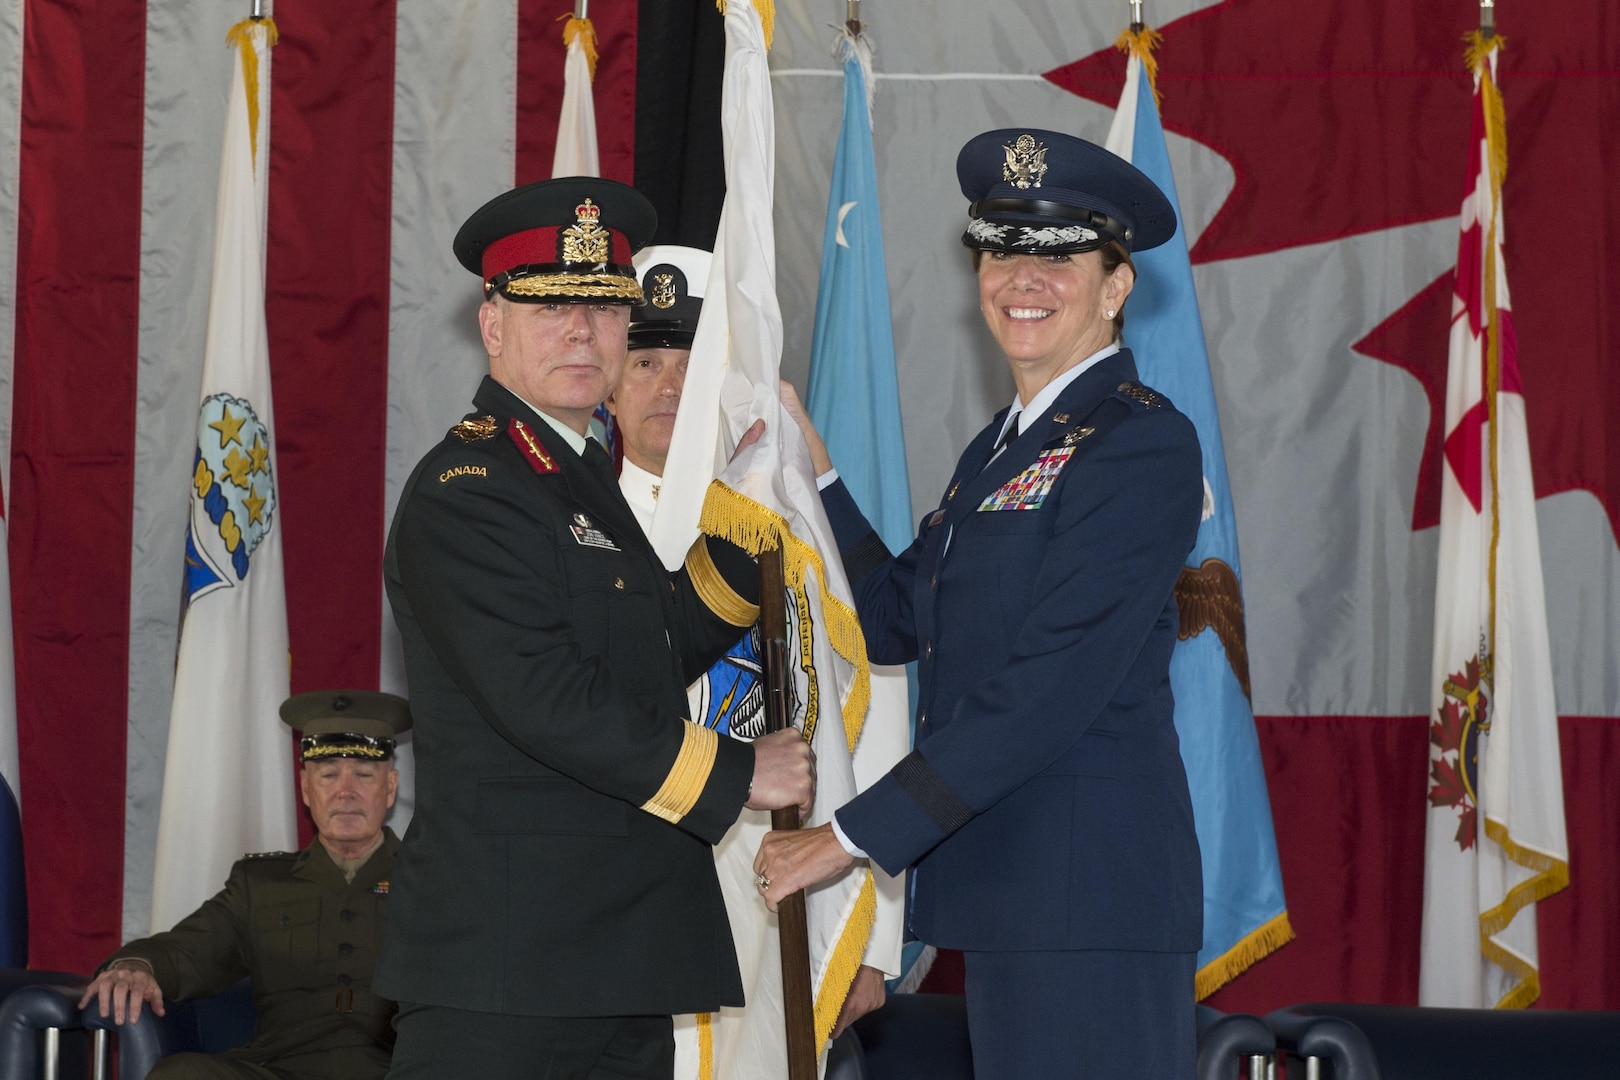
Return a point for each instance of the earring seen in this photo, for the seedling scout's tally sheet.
(1110, 313)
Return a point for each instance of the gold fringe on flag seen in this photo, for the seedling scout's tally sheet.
(1140, 44)
(767, 17)
(582, 31)
(1552, 876)
(845, 960)
(730, 516)
(241, 35)
(1254, 947)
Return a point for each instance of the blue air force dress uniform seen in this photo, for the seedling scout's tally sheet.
(1045, 808)
(304, 929)
(558, 863)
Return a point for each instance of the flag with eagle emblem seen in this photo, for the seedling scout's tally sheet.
(1496, 842)
(1245, 915)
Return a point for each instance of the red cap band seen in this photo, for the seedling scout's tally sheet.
(542, 246)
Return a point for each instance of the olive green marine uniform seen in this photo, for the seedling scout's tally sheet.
(308, 939)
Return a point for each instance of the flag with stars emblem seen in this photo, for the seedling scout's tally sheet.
(228, 778)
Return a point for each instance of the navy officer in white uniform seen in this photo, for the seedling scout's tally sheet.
(1045, 809)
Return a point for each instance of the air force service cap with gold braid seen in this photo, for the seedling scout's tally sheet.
(1034, 192)
(673, 279)
(567, 240)
(346, 723)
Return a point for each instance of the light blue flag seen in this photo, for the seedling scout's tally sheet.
(854, 399)
(854, 395)
(1245, 916)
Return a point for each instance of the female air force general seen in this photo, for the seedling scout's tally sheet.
(1044, 812)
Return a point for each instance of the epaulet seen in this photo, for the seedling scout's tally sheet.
(476, 429)
(1139, 393)
(270, 855)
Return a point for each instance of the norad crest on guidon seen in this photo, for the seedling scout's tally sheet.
(234, 495)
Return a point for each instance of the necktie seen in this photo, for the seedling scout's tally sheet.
(1008, 435)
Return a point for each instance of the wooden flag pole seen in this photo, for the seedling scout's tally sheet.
(798, 1004)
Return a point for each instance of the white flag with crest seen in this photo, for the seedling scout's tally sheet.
(766, 497)
(1496, 842)
(228, 777)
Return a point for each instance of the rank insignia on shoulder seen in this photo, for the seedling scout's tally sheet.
(1137, 392)
(268, 855)
(529, 446)
(381, 888)
(476, 429)
(1027, 490)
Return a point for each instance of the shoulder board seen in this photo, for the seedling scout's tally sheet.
(476, 429)
(270, 855)
(1139, 393)
(530, 447)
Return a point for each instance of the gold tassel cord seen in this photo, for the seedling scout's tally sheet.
(582, 31)
(767, 17)
(1254, 947)
(241, 36)
(731, 516)
(845, 960)
(1141, 44)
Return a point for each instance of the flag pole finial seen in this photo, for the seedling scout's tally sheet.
(852, 17)
(580, 8)
(1487, 19)
(258, 10)
(1136, 15)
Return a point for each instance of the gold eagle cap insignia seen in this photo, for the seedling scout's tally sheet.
(482, 427)
(1209, 596)
(663, 293)
(1025, 164)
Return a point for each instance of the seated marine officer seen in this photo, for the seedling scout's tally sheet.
(303, 926)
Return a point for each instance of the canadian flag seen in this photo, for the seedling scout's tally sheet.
(1496, 842)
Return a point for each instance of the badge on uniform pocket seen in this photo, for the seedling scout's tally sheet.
(588, 535)
(1027, 490)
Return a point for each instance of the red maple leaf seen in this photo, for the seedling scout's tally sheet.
(1344, 119)
(1466, 827)
(1448, 789)
(1446, 732)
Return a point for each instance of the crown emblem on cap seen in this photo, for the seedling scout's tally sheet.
(663, 293)
(585, 240)
(1025, 164)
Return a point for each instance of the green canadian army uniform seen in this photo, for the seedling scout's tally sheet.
(308, 940)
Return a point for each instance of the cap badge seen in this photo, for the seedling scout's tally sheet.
(585, 241)
(1025, 164)
(663, 294)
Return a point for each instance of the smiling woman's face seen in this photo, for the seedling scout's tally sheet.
(1049, 312)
